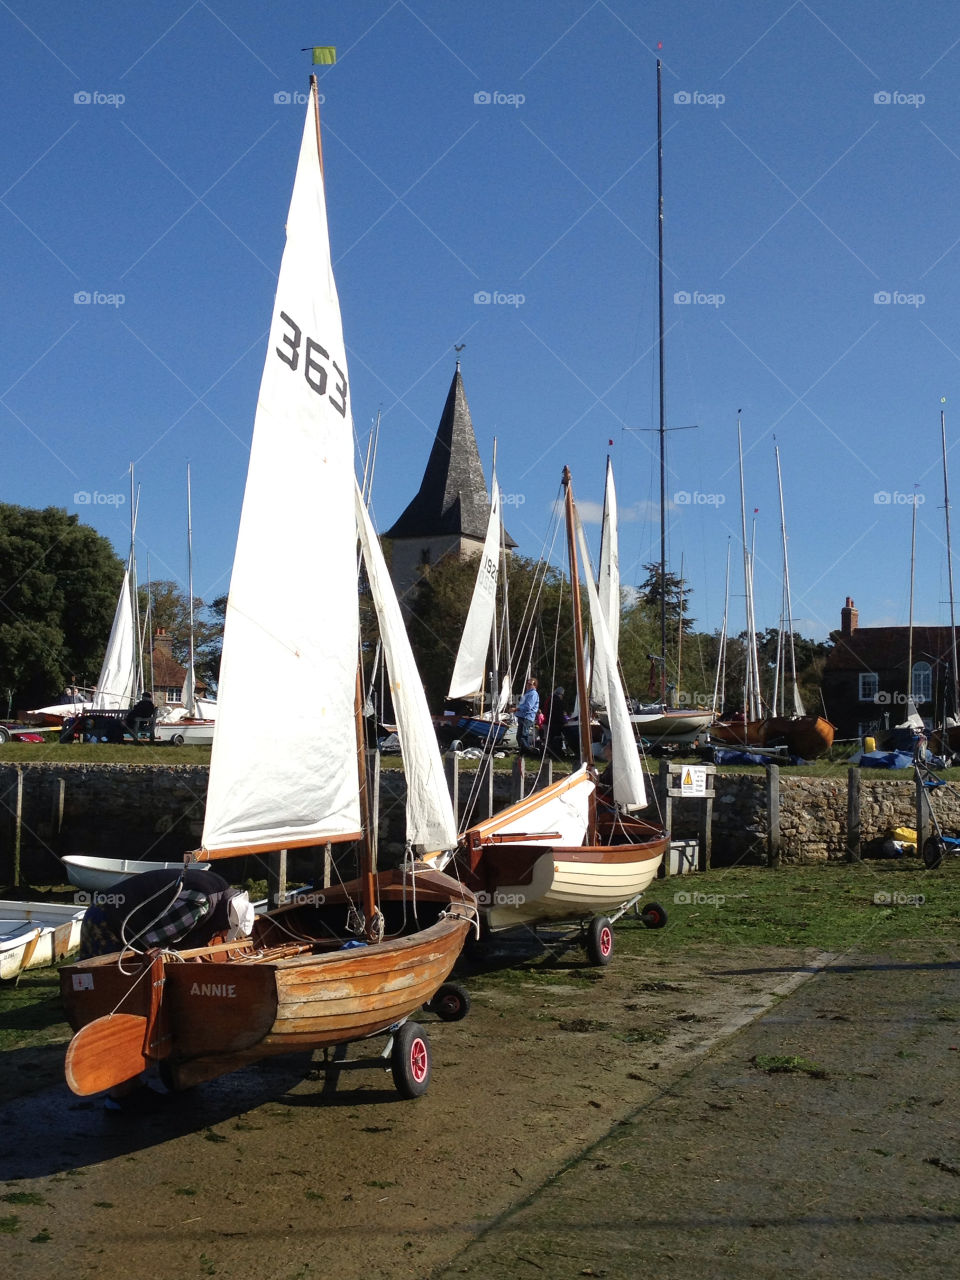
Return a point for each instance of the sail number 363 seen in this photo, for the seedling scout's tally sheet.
(314, 368)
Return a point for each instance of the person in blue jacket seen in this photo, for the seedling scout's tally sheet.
(527, 709)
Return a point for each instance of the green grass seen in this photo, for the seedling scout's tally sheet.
(831, 906)
(101, 753)
(828, 907)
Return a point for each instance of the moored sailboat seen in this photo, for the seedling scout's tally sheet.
(575, 850)
(805, 735)
(357, 959)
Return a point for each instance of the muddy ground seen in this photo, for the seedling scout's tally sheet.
(579, 1122)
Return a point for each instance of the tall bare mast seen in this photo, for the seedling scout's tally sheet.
(797, 709)
(191, 673)
(955, 692)
(913, 561)
(751, 688)
(663, 416)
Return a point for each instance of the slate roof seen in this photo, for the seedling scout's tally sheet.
(453, 499)
(885, 648)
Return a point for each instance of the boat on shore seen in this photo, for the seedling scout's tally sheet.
(34, 935)
(95, 874)
(575, 851)
(357, 959)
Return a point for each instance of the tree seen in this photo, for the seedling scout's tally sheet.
(676, 596)
(170, 609)
(59, 583)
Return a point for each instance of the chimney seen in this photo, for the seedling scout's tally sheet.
(848, 619)
(163, 642)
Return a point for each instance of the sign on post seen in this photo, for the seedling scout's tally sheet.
(693, 780)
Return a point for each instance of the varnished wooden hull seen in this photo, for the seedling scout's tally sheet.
(737, 733)
(527, 869)
(223, 1008)
(806, 736)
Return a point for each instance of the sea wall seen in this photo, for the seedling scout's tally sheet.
(156, 812)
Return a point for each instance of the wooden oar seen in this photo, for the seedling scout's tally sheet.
(106, 1052)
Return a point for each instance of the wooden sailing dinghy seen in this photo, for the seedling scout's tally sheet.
(355, 960)
(573, 851)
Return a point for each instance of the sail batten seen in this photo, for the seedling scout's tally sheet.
(291, 778)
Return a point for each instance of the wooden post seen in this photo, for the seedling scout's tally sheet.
(518, 781)
(327, 865)
(666, 800)
(706, 831)
(853, 814)
(17, 827)
(452, 766)
(277, 879)
(773, 815)
(59, 803)
(923, 816)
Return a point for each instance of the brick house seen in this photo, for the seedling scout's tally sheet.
(865, 678)
(164, 673)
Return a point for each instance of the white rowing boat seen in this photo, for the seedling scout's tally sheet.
(36, 934)
(103, 873)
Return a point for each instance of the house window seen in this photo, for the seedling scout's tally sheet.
(921, 682)
(869, 686)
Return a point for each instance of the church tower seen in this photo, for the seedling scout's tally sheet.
(450, 512)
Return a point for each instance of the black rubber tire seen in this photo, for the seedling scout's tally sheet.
(4, 734)
(599, 941)
(653, 915)
(410, 1060)
(451, 1003)
(177, 740)
(933, 851)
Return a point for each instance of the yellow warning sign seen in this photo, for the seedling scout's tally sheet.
(693, 780)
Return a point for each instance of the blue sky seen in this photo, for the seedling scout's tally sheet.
(812, 170)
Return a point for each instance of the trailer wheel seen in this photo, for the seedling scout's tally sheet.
(451, 1003)
(600, 940)
(933, 851)
(653, 915)
(177, 740)
(4, 734)
(410, 1060)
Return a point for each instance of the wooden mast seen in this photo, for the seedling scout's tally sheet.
(367, 869)
(583, 696)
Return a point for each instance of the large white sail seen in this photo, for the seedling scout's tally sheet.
(430, 822)
(629, 790)
(470, 666)
(608, 575)
(117, 682)
(292, 615)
